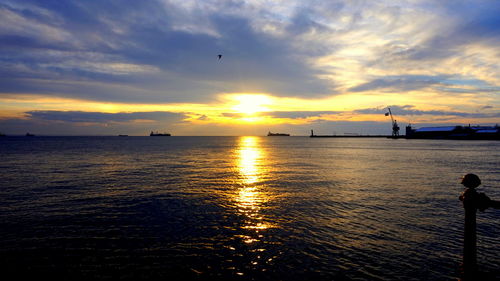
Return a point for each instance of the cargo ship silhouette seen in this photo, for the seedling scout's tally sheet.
(269, 134)
(157, 134)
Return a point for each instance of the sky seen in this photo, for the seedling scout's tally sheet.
(93, 67)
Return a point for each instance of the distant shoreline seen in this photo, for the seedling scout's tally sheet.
(354, 136)
(315, 136)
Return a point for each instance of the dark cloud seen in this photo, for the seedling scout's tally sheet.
(171, 52)
(442, 83)
(95, 123)
(90, 38)
(232, 114)
(158, 51)
(202, 117)
(100, 117)
(285, 114)
(410, 110)
(301, 114)
(476, 23)
(399, 83)
(92, 123)
(304, 21)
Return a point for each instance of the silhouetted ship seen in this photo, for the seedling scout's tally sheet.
(29, 135)
(123, 135)
(454, 132)
(269, 134)
(156, 134)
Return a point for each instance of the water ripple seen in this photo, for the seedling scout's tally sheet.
(227, 208)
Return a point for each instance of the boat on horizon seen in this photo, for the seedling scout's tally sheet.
(30, 135)
(269, 134)
(157, 134)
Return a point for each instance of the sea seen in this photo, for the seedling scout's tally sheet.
(241, 208)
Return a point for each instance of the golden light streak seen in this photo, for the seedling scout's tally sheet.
(249, 158)
(249, 197)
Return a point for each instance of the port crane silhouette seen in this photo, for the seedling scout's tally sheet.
(395, 126)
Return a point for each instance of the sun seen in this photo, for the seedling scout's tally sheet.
(249, 104)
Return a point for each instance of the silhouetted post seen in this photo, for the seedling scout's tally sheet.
(472, 201)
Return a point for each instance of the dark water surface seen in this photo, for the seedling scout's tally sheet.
(241, 208)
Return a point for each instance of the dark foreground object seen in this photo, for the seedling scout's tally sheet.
(473, 201)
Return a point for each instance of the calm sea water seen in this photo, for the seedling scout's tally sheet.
(241, 208)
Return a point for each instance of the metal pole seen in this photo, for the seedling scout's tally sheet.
(469, 263)
(472, 201)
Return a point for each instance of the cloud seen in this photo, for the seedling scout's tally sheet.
(153, 47)
(301, 114)
(410, 110)
(141, 123)
(284, 114)
(92, 123)
(399, 83)
(99, 117)
(438, 83)
(202, 118)
(171, 45)
(164, 51)
(232, 114)
(472, 23)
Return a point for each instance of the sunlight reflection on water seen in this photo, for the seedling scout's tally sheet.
(250, 198)
(249, 160)
(241, 208)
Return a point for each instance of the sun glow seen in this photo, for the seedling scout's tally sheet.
(250, 104)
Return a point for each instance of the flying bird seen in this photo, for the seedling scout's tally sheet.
(220, 56)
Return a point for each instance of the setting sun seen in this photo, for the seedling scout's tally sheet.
(251, 103)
